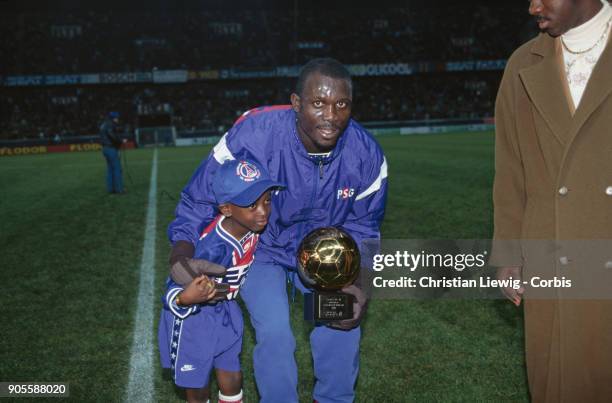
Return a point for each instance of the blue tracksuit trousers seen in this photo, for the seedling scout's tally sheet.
(335, 352)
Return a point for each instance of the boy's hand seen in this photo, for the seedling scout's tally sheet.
(201, 289)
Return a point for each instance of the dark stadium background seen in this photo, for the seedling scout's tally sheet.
(70, 254)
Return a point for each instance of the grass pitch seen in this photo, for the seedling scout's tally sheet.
(70, 256)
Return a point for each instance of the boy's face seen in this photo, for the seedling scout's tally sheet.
(252, 218)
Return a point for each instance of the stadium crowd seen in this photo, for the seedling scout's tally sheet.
(78, 42)
(214, 105)
(140, 40)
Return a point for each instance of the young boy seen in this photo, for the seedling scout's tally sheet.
(201, 324)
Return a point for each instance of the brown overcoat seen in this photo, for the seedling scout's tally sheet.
(553, 181)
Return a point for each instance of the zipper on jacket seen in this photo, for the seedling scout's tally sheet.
(315, 182)
(321, 168)
(317, 167)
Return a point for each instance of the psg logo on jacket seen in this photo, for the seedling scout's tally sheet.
(247, 172)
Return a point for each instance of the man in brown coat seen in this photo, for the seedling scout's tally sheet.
(553, 197)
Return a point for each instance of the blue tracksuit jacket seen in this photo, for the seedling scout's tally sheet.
(346, 189)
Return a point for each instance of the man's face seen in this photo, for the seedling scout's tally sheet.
(323, 111)
(556, 17)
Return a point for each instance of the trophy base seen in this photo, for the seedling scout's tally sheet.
(325, 307)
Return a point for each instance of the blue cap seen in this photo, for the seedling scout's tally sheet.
(241, 182)
(113, 115)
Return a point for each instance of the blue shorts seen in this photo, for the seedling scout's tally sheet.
(191, 347)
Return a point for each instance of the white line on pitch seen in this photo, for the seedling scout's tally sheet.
(140, 384)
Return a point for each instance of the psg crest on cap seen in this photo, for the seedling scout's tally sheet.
(247, 171)
(328, 259)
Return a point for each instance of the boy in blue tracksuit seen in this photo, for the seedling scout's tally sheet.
(201, 323)
(335, 175)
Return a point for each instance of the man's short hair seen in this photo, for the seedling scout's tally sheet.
(326, 66)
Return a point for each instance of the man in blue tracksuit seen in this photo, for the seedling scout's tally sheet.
(111, 143)
(336, 175)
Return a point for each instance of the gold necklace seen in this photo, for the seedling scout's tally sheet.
(601, 38)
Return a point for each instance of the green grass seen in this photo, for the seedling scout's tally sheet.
(70, 256)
